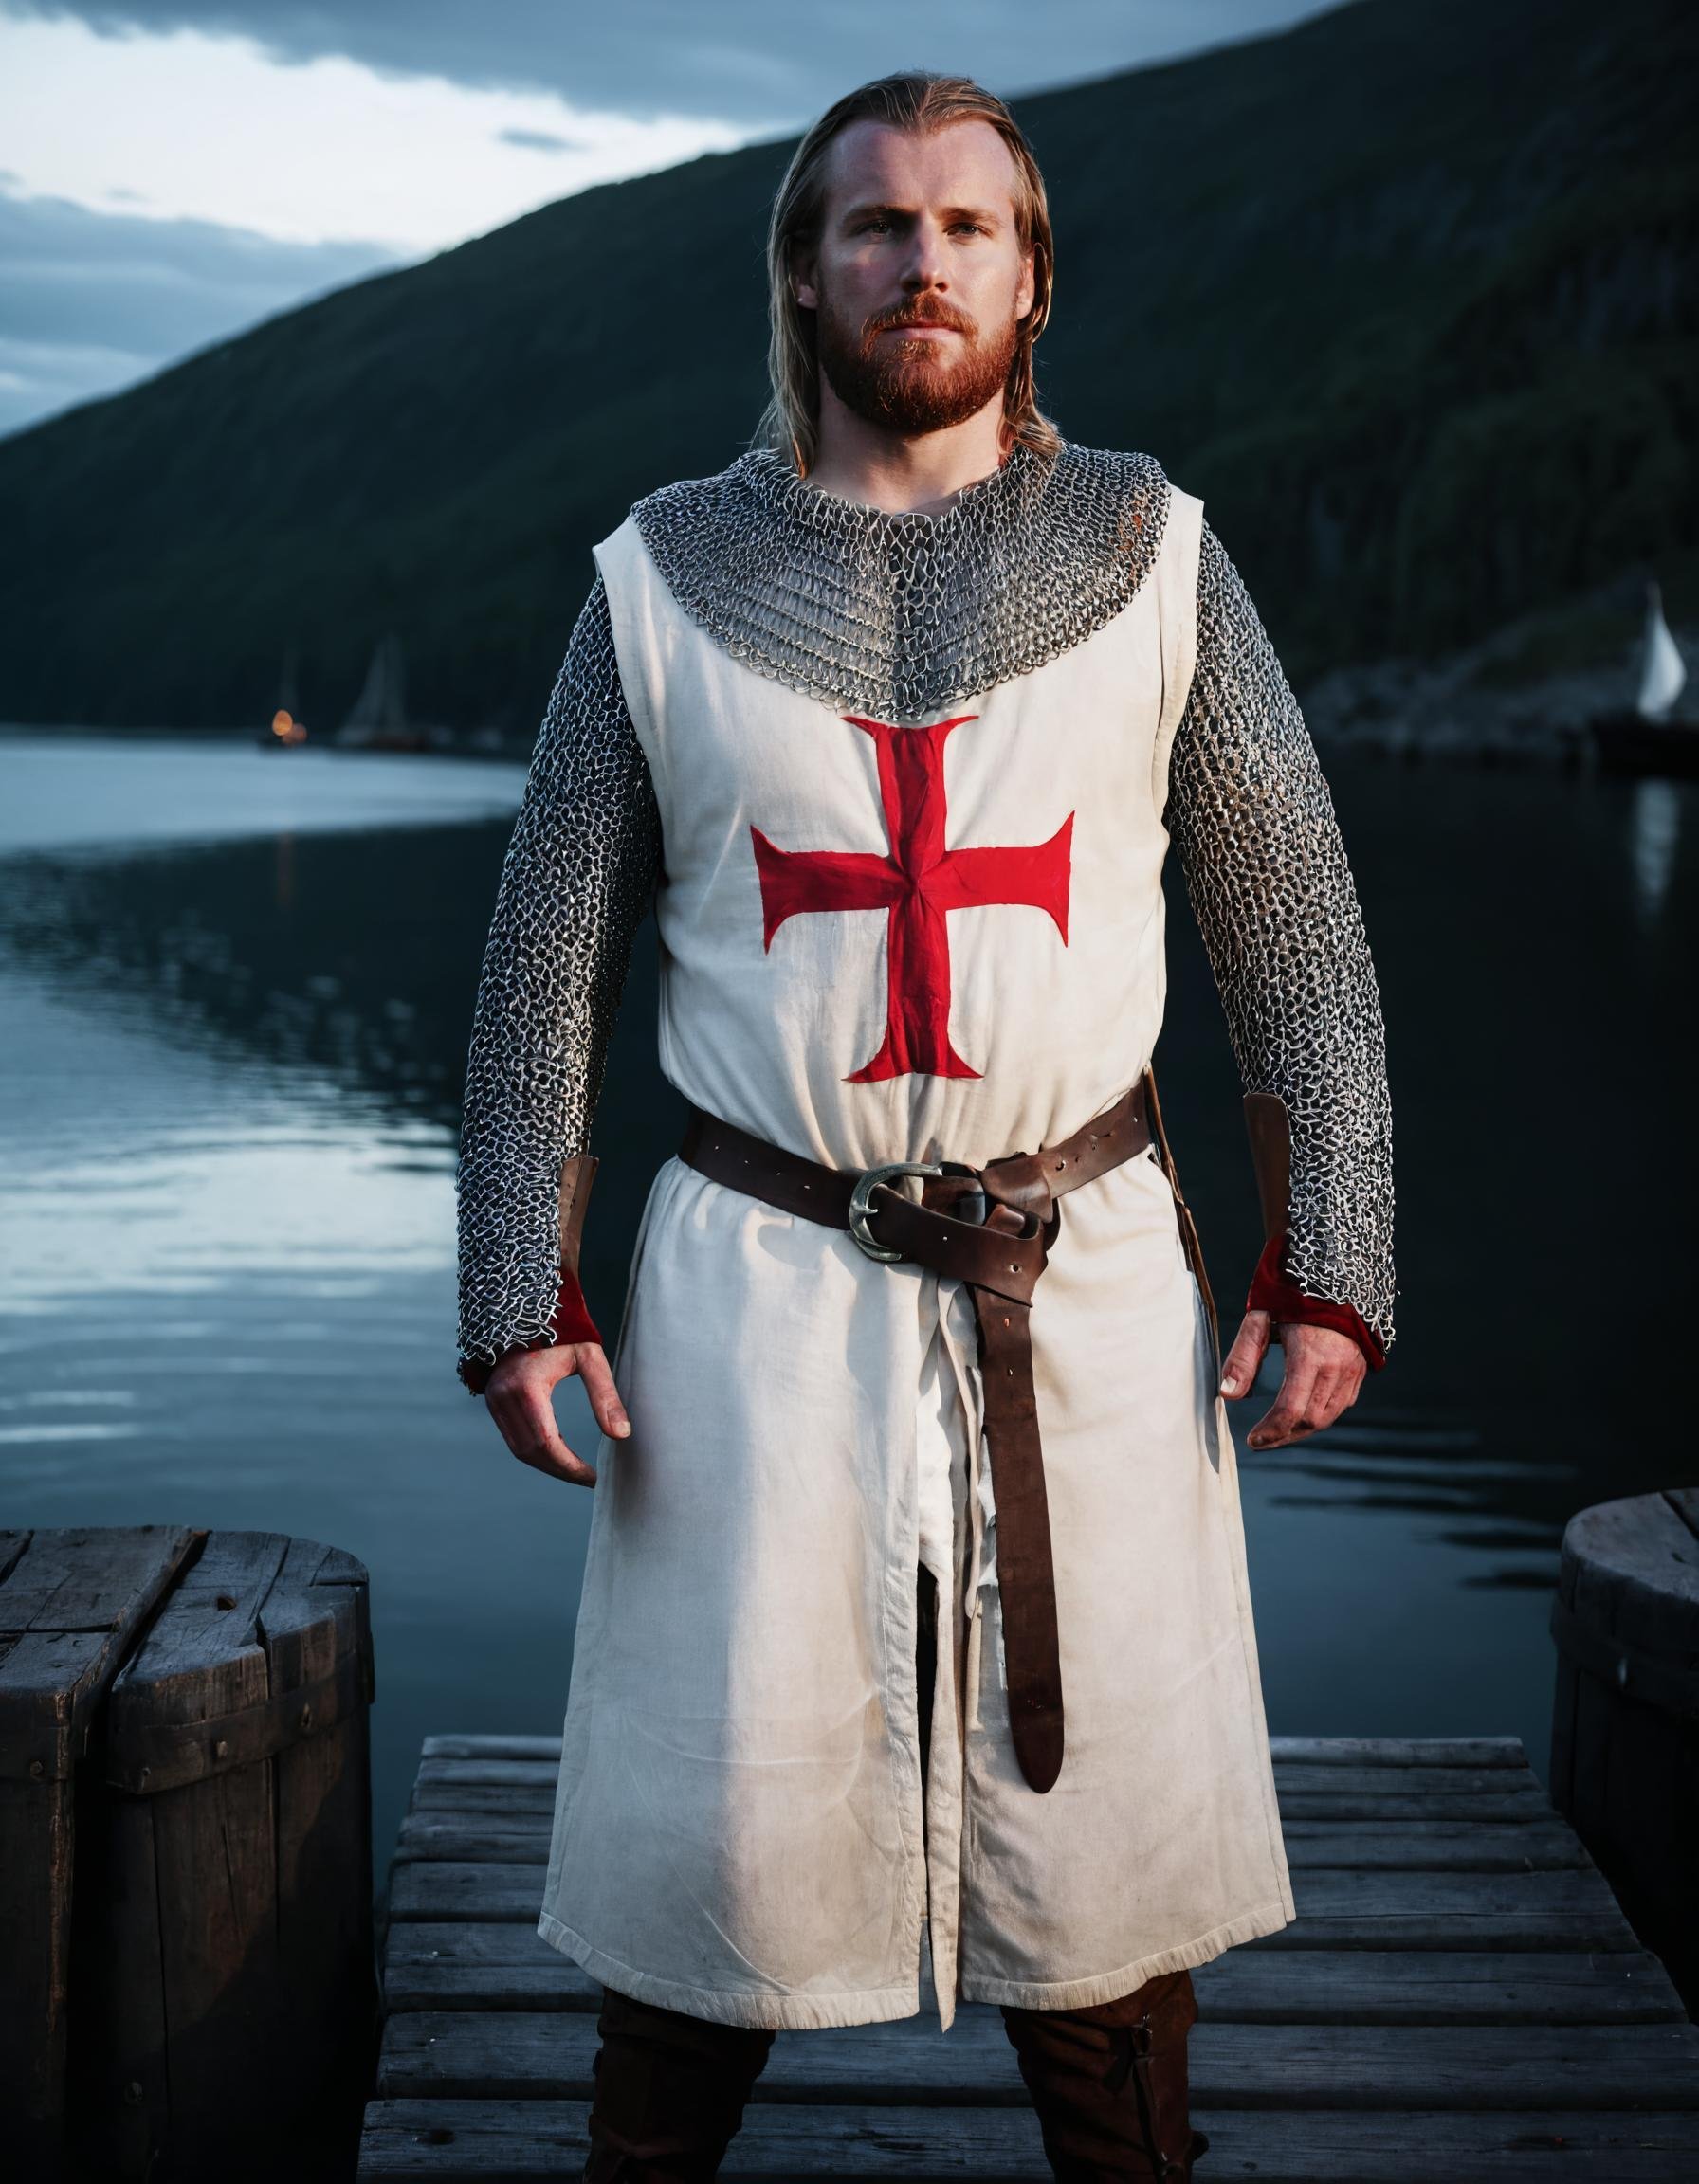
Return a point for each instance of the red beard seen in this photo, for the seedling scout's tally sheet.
(913, 386)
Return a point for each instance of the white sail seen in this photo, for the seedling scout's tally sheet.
(1663, 673)
(381, 707)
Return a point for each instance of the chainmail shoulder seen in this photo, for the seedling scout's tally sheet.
(1251, 817)
(580, 871)
(904, 615)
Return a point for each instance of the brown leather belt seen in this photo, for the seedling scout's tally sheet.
(992, 1227)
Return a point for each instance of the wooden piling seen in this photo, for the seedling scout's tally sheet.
(185, 1855)
(1625, 1718)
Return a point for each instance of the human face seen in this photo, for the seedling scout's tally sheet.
(918, 280)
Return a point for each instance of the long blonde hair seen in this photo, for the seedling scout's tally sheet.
(919, 101)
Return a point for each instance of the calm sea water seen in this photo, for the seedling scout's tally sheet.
(235, 991)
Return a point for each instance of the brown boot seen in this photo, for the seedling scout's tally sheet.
(1108, 2084)
(669, 2092)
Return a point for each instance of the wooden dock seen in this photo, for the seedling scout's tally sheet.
(1460, 1996)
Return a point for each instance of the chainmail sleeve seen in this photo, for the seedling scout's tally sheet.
(580, 871)
(1252, 818)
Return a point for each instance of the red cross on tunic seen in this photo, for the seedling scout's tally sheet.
(920, 882)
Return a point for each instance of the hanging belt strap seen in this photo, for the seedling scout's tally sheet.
(991, 1227)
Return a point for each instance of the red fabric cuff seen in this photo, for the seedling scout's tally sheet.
(572, 1324)
(1273, 1291)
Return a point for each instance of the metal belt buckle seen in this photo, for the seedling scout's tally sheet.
(861, 1200)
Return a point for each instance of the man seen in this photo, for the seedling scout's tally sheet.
(915, 1591)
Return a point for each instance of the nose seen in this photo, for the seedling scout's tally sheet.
(926, 267)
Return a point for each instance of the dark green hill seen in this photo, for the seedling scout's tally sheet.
(1407, 294)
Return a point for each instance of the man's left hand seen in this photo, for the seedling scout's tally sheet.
(1324, 1372)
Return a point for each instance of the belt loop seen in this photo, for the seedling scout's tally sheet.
(1190, 1239)
(1153, 1107)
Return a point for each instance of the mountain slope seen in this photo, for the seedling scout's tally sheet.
(1407, 294)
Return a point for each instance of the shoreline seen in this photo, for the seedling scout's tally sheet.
(1468, 707)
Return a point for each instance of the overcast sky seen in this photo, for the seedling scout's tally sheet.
(173, 169)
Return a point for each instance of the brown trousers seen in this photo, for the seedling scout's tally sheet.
(1108, 2083)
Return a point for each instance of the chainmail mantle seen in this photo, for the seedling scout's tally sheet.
(904, 615)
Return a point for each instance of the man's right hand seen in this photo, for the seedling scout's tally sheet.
(520, 1397)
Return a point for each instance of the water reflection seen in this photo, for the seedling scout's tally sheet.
(354, 957)
(67, 791)
(348, 963)
(1656, 834)
(228, 1126)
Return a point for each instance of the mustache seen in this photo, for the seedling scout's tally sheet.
(922, 314)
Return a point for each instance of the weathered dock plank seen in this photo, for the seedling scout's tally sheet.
(505, 1966)
(1459, 1994)
(1325, 1750)
(544, 2142)
(467, 1793)
(547, 2055)
(1565, 1909)
(505, 1837)
(1299, 1777)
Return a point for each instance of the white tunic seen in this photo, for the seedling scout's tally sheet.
(740, 1831)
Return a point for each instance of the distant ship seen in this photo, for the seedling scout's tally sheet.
(285, 731)
(377, 720)
(1642, 739)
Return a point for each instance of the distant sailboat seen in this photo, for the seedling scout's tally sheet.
(377, 720)
(1644, 739)
(1663, 672)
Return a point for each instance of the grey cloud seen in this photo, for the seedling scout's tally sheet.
(539, 140)
(748, 61)
(92, 301)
